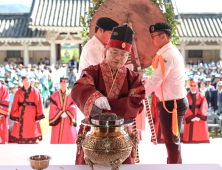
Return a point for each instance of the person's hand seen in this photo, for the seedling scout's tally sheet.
(130, 66)
(37, 121)
(75, 122)
(194, 119)
(145, 80)
(64, 115)
(102, 103)
(197, 119)
(16, 122)
(212, 107)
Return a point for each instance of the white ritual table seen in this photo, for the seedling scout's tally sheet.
(124, 167)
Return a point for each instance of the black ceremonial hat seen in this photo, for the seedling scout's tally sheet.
(64, 78)
(160, 27)
(121, 37)
(106, 23)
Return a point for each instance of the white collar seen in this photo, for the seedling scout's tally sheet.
(164, 48)
(100, 45)
(204, 90)
(193, 92)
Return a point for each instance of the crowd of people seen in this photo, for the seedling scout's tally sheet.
(43, 76)
(47, 81)
(209, 78)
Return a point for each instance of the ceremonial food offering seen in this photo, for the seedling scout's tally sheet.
(109, 142)
(39, 162)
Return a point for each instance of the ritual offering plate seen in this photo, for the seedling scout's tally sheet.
(108, 143)
(39, 162)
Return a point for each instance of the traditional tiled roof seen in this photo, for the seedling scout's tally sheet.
(16, 26)
(58, 13)
(200, 25)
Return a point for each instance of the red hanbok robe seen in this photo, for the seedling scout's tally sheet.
(63, 129)
(156, 119)
(4, 106)
(125, 94)
(196, 131)
(27, 108)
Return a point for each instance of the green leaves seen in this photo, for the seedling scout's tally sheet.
(86, 21)
(149, 71)
(169, 15)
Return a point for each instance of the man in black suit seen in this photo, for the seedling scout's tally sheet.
(216, 99)
(216, 80)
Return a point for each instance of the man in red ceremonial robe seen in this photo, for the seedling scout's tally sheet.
(195, 120)
(4, 106)
(62, 115)
(110, 85)
(27, 110)
(156, 119)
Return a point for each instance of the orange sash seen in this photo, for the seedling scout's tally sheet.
(174, 112)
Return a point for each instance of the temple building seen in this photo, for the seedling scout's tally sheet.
(50, 23)
(200, 36)
(38, 34)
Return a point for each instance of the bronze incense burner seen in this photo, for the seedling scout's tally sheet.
(109, 142)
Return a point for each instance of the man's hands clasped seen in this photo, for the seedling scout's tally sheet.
(64, 115)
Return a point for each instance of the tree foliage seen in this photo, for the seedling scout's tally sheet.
(86, 21)
(170, 18)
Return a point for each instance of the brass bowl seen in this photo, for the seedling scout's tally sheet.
(39, 161)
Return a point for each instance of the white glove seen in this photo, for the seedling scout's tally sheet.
(64, 115)
(145, 79)
(102, 103)
(195, 119)
(130, 66)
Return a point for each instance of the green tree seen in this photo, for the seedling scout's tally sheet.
(76, 53)
(67, 55)
(86, 21)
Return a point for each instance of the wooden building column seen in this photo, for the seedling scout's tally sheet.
(58, 51)
(53, 52)
(183, 51)
(26, 53)
(183, 48)
(80, 50)
(221, 50)
(51, 37)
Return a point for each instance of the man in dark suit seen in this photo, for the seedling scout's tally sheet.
(74, 63)
(216, 100)
(216, 80)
